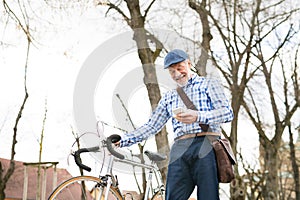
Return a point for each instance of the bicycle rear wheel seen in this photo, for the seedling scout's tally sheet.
(84, 188)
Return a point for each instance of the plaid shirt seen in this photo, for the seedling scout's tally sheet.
(206, 94)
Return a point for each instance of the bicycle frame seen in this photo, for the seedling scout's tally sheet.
(152, 169)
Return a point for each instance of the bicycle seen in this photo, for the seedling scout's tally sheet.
(106, 187)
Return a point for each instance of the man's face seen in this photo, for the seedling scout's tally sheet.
(180, 72)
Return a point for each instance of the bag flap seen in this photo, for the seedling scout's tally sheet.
(226, 144)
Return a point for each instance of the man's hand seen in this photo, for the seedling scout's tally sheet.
(117, 144)
(187, 117)
(115, 139)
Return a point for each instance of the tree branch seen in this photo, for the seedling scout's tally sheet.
(127, 113)
(148, 8)
(116, 8)
(25, 28)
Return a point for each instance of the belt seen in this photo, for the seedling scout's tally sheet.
(194, 135)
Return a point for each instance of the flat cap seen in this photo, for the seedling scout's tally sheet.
(174, 56)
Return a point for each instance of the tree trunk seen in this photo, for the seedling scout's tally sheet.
(269, 153)
(295, 166)
(206, 35)
(150, 80)
(2, 194)
(136, 21)
(5, 177)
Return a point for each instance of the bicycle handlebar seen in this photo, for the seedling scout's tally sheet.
(78, 160)
(113, 139)
(109, 142)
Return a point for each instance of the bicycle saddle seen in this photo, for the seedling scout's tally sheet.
(155, 156)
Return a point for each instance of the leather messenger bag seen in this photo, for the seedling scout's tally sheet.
(225, 160)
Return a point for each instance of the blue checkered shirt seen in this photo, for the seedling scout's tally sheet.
(207, 95)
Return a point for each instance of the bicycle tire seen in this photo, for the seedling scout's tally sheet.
(159, 195)
(72, 189)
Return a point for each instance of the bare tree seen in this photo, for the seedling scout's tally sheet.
(270, 143)
(21, 22)
(244, 29)
(224, 22)
(287, 83)
(295, 166)
(143, 38)
(38, 193)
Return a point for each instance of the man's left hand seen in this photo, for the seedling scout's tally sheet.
(187, 117)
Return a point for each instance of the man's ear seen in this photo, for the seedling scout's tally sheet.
(189, 63)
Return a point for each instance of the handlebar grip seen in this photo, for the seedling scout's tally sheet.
(78, 160)
(113, 139)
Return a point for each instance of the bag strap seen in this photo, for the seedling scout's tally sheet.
(186, 100)
(189, 104)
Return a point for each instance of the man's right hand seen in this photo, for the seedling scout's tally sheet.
(115, 139)
(117, 144)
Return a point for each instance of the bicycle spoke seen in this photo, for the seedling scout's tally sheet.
(83, 188)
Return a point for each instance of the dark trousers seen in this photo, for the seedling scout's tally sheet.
(192, 163)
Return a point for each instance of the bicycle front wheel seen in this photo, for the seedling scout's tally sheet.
(159, 195)
(84, 188)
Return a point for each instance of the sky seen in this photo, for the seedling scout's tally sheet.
(55, 60)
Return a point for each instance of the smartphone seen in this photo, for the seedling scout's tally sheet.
(178, 110)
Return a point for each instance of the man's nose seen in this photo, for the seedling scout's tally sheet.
(177, 73)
